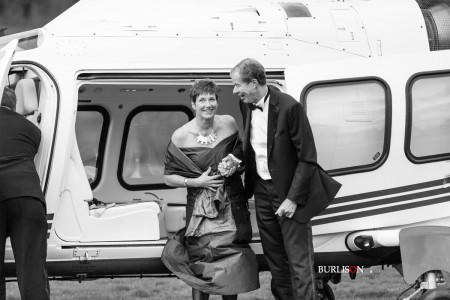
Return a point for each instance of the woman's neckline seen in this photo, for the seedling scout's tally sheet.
(205, 147)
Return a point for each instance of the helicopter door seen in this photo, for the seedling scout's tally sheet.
(6, 56)
(357, 110)
(79, 219)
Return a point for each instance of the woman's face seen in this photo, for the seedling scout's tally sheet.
(205, 106)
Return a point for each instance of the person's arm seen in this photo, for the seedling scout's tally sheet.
(303, 141)
(234, 160)
(174, 180)
(203, 181)
(238, 152)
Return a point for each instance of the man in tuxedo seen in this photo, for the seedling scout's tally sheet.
(282, 173)
(22, 203)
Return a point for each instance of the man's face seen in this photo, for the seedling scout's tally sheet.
(245, 91)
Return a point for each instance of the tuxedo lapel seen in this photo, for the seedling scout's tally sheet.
(272, 121)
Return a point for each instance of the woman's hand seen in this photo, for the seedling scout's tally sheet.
(228, 165)
(206, 181)
(225, 170)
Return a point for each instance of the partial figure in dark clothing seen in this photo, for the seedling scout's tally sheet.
(212, 254)
(281, 171)
(22, 203)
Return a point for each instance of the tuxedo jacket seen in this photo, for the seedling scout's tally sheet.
(291, 157)
(19, 143)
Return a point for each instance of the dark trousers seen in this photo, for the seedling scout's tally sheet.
(287, 246)
(24, 221)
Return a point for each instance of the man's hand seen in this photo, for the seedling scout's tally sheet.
(224, 170)
(228, 165)
(287, 209)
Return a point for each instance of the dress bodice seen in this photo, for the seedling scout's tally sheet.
(205, 157)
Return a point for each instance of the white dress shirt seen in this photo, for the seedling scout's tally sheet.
(258, 137)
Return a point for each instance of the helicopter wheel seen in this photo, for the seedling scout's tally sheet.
(326, 292)
(440, 293)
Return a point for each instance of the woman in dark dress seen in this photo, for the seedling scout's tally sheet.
(211, 254)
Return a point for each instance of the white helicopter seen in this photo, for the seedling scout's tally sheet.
(107, 83)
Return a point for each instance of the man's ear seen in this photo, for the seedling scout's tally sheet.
(255, 83)
(193, 105)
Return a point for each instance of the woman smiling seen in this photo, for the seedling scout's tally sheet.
(211, 254)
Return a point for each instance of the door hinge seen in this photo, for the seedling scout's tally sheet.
(85, 255)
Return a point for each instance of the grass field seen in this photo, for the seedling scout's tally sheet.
(380, 284)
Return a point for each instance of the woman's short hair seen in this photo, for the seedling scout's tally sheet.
(204, 86)
(9, 98)
(250, 69)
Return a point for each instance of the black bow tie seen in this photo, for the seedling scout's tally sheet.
(253, 106)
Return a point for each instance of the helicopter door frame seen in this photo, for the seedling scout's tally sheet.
(45, 118)
(6, 56)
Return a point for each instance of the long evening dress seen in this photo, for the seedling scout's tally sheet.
(211, 253)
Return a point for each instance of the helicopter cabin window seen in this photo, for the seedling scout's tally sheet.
(349, 124)
(149, 130)
(428, 103)
(90, 128)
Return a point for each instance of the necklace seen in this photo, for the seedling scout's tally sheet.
(205, 140)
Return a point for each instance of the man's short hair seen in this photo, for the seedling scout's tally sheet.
(250, 69)
(204, 86)
(9, 98)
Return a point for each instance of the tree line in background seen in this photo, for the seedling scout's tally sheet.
(18, 15)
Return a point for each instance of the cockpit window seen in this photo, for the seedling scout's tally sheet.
(90, 129)
(149, 131)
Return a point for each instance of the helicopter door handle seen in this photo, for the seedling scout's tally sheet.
(157, 198)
